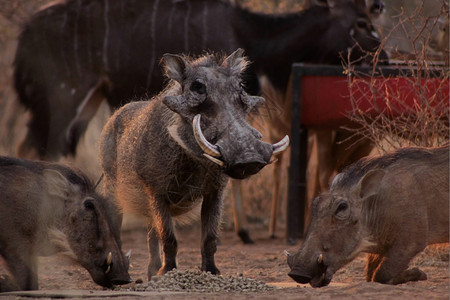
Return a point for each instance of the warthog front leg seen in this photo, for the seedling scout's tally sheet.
(162, 230)
(393, 266)
(211, 209)
(154, 249)
(23, 266)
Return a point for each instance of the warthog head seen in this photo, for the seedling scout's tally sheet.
(336, 232)
(92, 229)
(211, 108)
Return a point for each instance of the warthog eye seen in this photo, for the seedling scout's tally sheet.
(342, 210)
(198, 87)
(89, 204)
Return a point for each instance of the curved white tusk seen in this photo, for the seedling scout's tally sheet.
(128, 255)
(320, 259)
(214, 160)
(206, 146)
(281, 145)
(109, 259)
(108, 269)
(287, 253)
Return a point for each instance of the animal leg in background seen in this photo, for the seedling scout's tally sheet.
(239, 216)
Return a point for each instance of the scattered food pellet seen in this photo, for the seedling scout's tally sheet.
(196, 281)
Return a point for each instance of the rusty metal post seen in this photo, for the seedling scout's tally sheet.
(297, 168)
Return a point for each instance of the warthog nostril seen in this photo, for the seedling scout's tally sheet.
(244, 170)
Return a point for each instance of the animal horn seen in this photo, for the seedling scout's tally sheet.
(320, 259)
(207, 147)
(280, 146)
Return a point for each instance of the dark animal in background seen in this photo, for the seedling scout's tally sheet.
(46, 208)
(164, 157)
(391, 206)
(73, 54)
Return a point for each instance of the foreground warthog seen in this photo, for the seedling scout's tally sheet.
(391, 206)
(46, 208)
(162, 157)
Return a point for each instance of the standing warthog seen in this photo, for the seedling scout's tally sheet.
(162, 157)
(391, 206)
(46, 208)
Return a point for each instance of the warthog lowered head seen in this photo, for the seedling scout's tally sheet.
(92, 227)
(214, 101)
(334, 237)
(48, 208)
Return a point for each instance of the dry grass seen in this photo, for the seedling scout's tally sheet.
(394, 123)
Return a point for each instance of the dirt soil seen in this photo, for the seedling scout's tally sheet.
(264, 260)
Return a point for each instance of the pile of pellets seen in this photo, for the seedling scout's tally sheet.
(196, 281)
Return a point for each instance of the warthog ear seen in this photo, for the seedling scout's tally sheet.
(57, 184)
(369, 185)
(175, 66)
(236, 62)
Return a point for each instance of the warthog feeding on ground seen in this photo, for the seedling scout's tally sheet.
(46, 208)
(162, 157)
(392, 207)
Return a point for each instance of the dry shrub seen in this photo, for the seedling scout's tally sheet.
(412, 109)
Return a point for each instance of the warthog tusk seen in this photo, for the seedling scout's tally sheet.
(128, 254)
(108, 262)
(287, 253)
(281, 145)
(109, 259)
(207, 147)
(214, 160)
(320, 259)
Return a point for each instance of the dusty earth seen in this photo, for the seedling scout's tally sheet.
(264, 260)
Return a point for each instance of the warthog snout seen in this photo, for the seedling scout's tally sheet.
(113, 271)
(242, 155)
(299, 276)
(312, 271)
(244, 170)
(122, 279)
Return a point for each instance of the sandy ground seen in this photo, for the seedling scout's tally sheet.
(264, 260)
